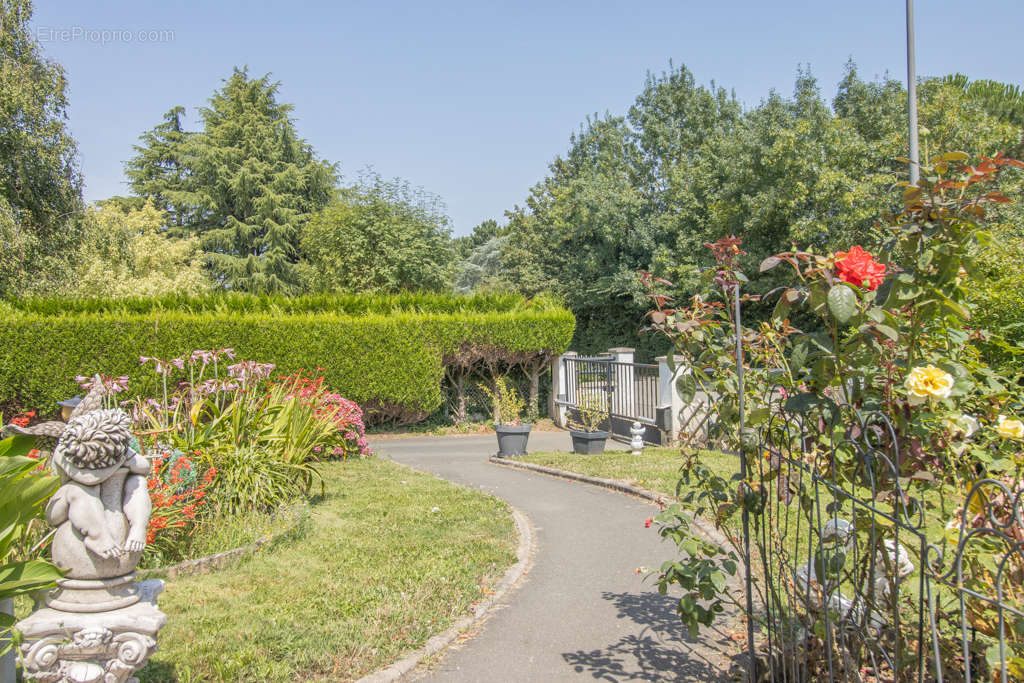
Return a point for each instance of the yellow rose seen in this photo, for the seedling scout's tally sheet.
(928, 383)
(1010, 427)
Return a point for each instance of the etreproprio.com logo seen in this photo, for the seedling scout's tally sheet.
(102, 36)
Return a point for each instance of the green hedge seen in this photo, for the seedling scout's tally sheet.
(389, 363)
(277, 304)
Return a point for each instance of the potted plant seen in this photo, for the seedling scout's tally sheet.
(508, 424)
(588, 438)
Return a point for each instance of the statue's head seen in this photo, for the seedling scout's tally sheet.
(96, 440)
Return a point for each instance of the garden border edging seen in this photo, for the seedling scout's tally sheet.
(209, 563)
(524, 558)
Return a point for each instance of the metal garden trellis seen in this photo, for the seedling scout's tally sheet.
(830, 570)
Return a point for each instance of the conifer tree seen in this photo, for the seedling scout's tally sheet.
(245, 184)
(257, 184)
(160, 168)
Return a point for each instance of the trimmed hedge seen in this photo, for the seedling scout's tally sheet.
(392, 364)
(277, 304)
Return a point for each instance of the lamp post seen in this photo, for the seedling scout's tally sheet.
(67, 406)
(915, 167)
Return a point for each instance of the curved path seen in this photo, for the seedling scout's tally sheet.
(582, 612)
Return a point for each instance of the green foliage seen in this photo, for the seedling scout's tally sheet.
(378, 236)
(390, 362)
(23, 493)
(482, 270)
(592, 411)
(687, 166)
(279, 304)
(508, 403)
(160, 169)
(245, 185)
(40, 184)
(127, 254)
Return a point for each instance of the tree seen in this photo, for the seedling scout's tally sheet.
(378, 236)
(481, 234)
(245, 184)
(160, 168)
(40, 184)
(482, 270)
(127, 253)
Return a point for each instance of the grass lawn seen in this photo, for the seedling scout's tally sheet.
(373, 573)
(657, 469)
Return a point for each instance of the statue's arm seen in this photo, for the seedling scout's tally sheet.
(57, 507)
(138, 464)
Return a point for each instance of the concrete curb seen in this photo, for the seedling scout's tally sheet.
(524, 555)
(659, 499)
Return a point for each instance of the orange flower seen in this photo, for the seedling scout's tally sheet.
(859, 268)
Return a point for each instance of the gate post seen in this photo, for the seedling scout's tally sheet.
(560, 389)
(623, 398)
(670, 403)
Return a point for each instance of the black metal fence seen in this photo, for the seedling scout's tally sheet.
(859, 575)
(855, 572)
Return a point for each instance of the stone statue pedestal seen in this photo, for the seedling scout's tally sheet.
(93, 647)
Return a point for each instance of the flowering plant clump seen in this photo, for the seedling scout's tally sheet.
(178, 492)
(344, 416)
(886, 335)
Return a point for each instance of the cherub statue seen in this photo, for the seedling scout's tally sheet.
(101, 511)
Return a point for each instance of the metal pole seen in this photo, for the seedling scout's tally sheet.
(752, 670)
(915, 166)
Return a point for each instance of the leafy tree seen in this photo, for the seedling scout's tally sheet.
(40, 184)
(687, 166)
(378, 236)
(160, 168)
(127, 253)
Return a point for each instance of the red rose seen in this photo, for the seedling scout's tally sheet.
(859, 268)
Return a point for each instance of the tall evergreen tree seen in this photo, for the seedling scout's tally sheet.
(40, 184)
(257, 183)
(160, 168)
(245, 184)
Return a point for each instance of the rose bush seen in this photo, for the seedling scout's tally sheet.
(887, 333)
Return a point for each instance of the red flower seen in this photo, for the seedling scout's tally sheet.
(647, 523)
(859, 268)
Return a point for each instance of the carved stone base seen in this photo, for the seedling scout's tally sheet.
(97, 647)
(93, 595)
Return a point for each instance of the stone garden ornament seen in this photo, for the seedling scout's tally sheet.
(98, 625)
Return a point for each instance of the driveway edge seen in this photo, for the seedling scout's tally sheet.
(524, 559)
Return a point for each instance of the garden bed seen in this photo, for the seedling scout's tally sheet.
(388, 558)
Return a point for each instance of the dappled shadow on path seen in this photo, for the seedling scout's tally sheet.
(661, 650)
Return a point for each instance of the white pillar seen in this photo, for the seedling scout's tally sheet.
(668, 395)
(560, 384)
(624, 396)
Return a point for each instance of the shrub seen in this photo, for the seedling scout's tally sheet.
(391, 363)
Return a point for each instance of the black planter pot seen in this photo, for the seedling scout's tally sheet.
(512, 439)
(588, 443)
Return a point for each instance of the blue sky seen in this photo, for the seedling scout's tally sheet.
(472, 100)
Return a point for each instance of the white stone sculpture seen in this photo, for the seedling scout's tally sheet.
(98, 625)
(890, 563)
(636, 431)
